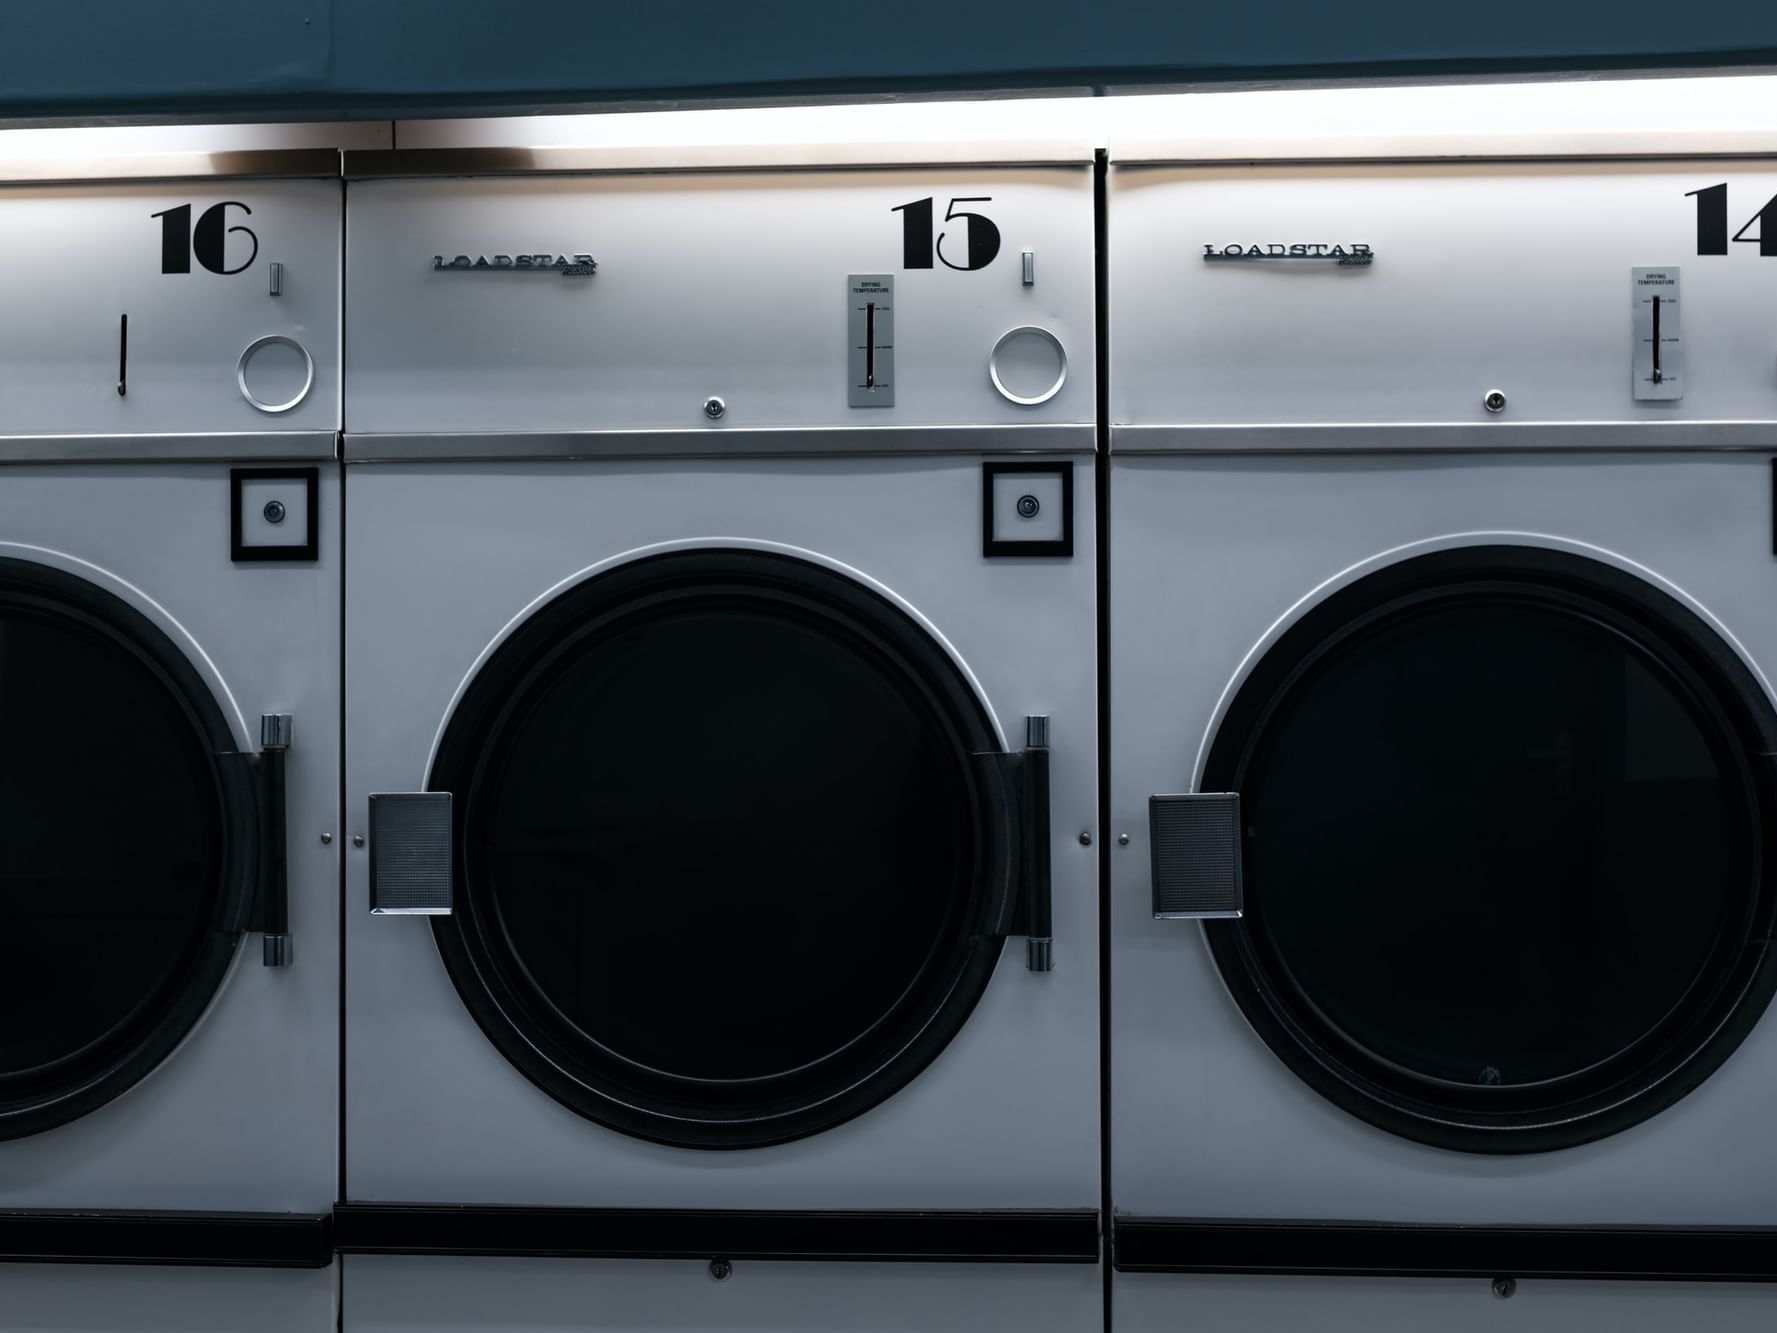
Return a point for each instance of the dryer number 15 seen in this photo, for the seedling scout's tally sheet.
(918, 247)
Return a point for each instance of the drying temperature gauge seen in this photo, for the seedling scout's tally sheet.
(1659, 355)
(870, 339)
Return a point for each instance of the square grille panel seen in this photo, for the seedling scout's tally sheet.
(1196, 847)
(410, 871)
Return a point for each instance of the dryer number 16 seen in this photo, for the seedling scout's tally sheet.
(918, 247)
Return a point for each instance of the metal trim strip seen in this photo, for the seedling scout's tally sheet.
(282, 163)
(285, 446)
(1437, 437)
(383, 163)
(200, 1239)
(951, 1236)
(1385, 1249)
(1358, 147)
(506, 446)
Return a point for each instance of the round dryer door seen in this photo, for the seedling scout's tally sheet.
(730, 849)
(1504, 817)
(126, 837)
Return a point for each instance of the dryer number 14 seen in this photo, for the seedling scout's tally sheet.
(1712, 223)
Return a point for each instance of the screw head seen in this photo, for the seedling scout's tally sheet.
(721, 1269)
(713, 408)
(357, 839)
(326, 839)
(1122, 840)
(1503, 1287)
(274, 511)
(1028, 505)
(1495, 401)
(1085, 840)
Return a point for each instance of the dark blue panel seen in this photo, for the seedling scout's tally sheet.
(99, 57)
(553, 48)
(108, 57)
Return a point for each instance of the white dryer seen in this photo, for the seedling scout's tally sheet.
(721, 697)
(1441, 588)
(169, 740)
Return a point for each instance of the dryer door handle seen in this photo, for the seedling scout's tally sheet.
(256, 803)
(1019, 795)
(1194, 841)
(272, 916)
(410, 853)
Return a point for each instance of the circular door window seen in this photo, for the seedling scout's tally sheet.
(1504, 813)
(725, 865)
(121, 841)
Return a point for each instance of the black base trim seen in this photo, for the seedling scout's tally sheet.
(1013, 1236)
(1387, 1249)
(226, 1240)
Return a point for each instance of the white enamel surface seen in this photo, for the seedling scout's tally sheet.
(1209, 557)
(1166, 1303)
(243, 1115)
(475, 1295)
(442, 558)
(121, 1298)
(81, 257)
(1495, 276)
(730, 285)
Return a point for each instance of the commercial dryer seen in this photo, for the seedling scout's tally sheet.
(720, 701)
(1441, 579)
(169, 739)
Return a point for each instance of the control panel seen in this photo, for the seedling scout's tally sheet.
(1420, 294)
(858, 298)
(170, 307)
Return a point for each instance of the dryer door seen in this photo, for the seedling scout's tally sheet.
(1504, 819)
(735, 849)
(129, 846)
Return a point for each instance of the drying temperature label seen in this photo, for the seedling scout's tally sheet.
(1658, 363)
(870, 340)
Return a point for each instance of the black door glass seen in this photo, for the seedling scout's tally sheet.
(124, 846)
(724, 843)
(727, 865)
(1501, 847)
(1470, 829)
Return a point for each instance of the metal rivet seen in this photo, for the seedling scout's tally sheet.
(713, 408)
(1503, 1287)
(720, 1269)
(1495, 401)
(1122, 840)
(357, 839)
(326, 839)
(274, 511)
(1085, 840)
